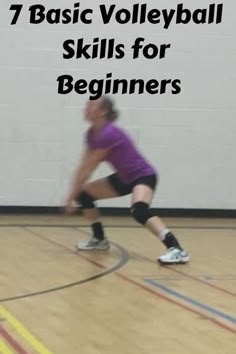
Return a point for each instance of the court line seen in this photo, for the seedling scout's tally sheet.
(175, 302)
(156, 293)
(9, 339)
(152, 291)
(124, 253)
(23, 332)
(205, 282)
(195, 278)
(191, 301)
(223, 290)
(142, 286)
(207, 227)
(4, 348)
(124, 257)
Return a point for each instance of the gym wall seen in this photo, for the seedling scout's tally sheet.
(189, 137)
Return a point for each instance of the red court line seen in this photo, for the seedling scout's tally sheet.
(144, 287)
(219, 288)
(10, 340)
(180, 304)
(67, 248)
(223, 290)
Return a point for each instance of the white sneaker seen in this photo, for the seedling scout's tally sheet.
(93, 244)
(174, 256)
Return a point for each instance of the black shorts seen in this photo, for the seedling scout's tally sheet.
(126, 188)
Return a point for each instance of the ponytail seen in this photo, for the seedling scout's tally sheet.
(108, 106)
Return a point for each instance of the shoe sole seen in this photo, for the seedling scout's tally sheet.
(182, 261)
(92, 249)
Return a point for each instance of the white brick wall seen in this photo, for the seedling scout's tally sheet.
(189, 137)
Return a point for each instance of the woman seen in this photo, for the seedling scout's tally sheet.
(133, 175)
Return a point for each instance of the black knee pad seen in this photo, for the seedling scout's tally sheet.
(85, 200)
(141, 212)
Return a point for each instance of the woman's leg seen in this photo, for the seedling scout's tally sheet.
(142, 193)
(99, 189)
(141, 200)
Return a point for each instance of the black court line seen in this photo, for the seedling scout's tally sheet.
(124, 257)
(179, 272)
(208, 227)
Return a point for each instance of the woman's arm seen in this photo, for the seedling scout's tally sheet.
(89, 162)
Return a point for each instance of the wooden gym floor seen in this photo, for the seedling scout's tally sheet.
(56, 300)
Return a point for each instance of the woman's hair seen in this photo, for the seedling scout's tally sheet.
(108, 106)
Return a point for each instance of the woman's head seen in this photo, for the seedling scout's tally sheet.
(101, 109)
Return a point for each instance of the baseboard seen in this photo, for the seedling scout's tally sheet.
(164, 212)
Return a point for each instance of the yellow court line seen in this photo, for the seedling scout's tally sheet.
(23, 332)
(4, 349)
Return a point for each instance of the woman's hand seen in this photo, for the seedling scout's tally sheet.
(69, 206)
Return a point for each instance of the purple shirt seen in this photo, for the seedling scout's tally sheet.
(124, 157)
